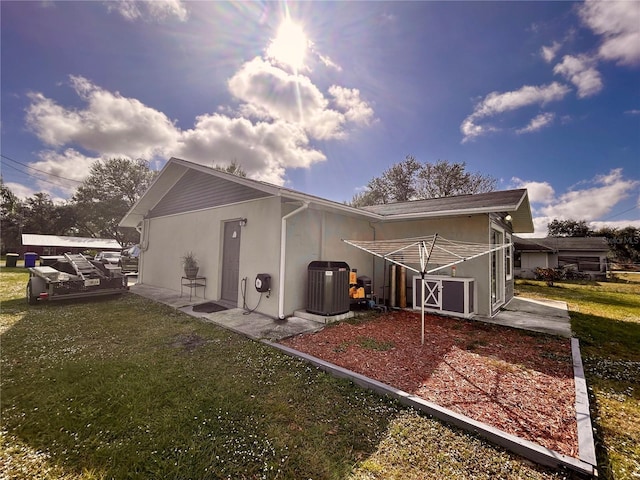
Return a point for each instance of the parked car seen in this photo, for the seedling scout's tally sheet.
(112, 258)
(129, 259)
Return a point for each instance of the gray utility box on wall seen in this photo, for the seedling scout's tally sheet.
(328, 288)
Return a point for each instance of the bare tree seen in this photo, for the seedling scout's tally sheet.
(411, 180)
(234, 169)
(446, 179)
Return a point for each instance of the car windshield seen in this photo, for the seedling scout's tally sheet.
(110, 254)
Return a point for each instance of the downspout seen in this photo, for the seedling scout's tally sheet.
(283, 250)
(373, 267)
(143, 230)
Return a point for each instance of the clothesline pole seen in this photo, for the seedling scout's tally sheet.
(424, 261)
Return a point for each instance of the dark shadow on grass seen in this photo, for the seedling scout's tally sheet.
(231, 398)
(611, 338)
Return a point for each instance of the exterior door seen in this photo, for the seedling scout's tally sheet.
(497, 270)
(231, 262)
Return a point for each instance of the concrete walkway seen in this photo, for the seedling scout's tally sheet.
(253, 325)
(545, 316)
(549, 317)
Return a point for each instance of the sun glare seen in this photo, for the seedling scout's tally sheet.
(290, 45)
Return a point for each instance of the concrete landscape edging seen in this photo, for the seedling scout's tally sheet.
(585, 465)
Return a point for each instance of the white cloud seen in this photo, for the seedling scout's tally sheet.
(601, 195)
(69, 164)
(496, 103)
(156, 10)
(21, 191)
(537, 123)
(581, 72)
(271, 93)
(539, 192)
(264, 150)
(614, 224)
(110, 124)
(355, 109)
(550, 52)
(618, 23)
(269, 131)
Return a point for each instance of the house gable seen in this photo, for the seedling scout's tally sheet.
(195, 191)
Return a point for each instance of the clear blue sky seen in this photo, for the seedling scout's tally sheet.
(323, 96)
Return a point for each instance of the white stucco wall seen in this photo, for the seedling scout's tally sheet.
(315, 235)
(473, 228)
(201, 232)
(312, 235)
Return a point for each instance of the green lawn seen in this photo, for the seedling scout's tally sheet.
(126, 388)
(605, 316)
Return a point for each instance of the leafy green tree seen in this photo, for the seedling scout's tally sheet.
(11, 219)
(40, 214)
(412, 180)
(107, 194)
(624, 243)
(569, 228)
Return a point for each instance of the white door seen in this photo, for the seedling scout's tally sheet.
(432, 293)
(497, 269)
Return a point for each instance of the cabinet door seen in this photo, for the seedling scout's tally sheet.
(432, 293)
(453, 296)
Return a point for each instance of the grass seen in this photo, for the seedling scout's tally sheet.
(126, 388)
(605, 316)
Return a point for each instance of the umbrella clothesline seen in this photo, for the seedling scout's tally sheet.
(416, 254)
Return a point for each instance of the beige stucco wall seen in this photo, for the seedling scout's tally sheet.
(474, 228)
(201, 233)
(312, 235)
(315, 235)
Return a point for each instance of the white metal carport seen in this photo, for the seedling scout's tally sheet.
(416, 254)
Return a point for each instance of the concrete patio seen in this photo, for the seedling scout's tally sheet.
(253, 325)
(544, 316)
(550, 317)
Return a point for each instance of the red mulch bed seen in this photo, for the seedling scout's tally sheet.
(517, 381)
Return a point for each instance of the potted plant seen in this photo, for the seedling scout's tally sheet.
(190, 265)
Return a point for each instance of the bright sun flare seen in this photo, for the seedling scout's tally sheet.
(290, 45)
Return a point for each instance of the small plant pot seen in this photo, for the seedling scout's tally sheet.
(191, 272)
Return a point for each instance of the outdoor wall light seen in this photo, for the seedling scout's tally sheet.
(243, 222)
(508, 218)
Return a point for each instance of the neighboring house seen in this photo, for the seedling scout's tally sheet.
(57, 245)
(582, 254)
(238, 228)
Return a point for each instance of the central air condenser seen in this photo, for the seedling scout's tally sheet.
(328, 288)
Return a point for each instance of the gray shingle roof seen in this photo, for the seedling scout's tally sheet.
(505, 200)
(592, 244)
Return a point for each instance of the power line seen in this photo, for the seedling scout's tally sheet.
(37, 170)
(38, 178)
(619, 213)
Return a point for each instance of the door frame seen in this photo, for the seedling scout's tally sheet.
(234, 278)
(498, 274)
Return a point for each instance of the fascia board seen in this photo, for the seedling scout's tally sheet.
(449, 213)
